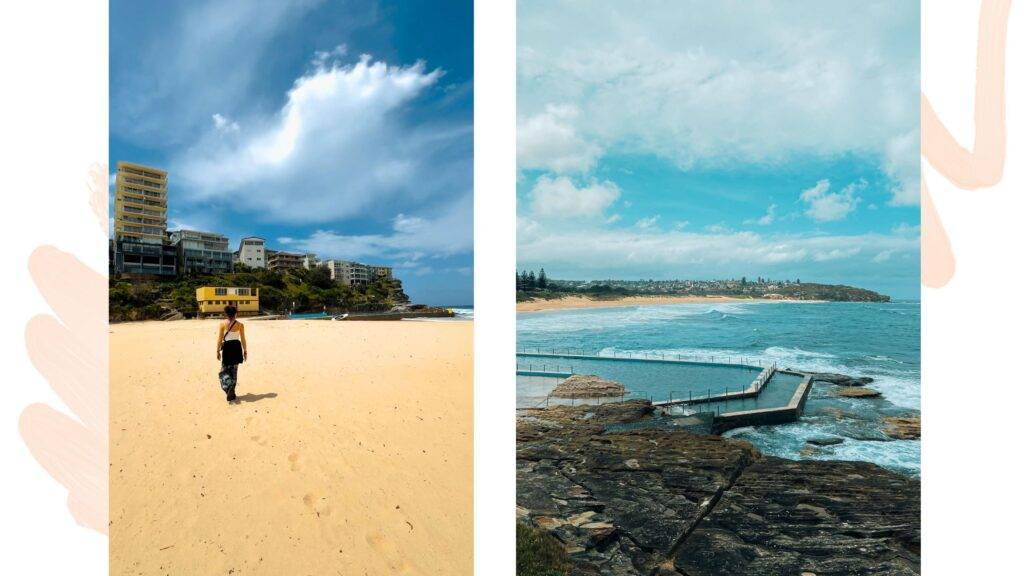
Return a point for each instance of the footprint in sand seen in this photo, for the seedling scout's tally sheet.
(390, 553)
(295, 462)
(317, 504)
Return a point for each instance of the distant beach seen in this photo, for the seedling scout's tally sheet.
(574, 302)
(350, 452)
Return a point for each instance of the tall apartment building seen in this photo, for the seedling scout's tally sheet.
(281, 260)
(201, 252)
(140, 222)
(347, 272)
(252, 252)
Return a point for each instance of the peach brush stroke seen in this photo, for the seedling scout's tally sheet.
(70, 351)
(98, 186)
(968, 170)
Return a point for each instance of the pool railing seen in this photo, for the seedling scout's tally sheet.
(643, 356)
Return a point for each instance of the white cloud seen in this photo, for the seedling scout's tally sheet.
(904, 229)
(839, 253)
(613, 219)
(206, 58)
(323, 58)
(548, 141)
(825, 206)
(750, 81)
(647, 223)
(224, 124)
(903, 167)
(337, 148)
(560, 198)
(883, 256)
(597, 249)
(526, 228)
(769, 217)
(411, 239)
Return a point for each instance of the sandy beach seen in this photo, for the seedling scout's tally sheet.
(349, 453)
(571, 302)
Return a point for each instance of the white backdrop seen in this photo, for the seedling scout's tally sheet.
(53, 121)
(53, 126)
(971, 385)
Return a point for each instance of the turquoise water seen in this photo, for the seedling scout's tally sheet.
(653, 380)
(532, 390)
(859, 339)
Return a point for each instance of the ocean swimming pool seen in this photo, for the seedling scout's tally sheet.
(880, 340)
(653, 379)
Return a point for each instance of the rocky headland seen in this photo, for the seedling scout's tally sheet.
(652, 501)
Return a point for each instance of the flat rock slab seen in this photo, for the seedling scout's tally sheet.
(588, 386)
(857, 392)
(902, 427)
(832, 441)
(841, 379)
(670, 502)
(787, 517)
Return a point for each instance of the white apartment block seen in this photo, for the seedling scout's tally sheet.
(252, 252)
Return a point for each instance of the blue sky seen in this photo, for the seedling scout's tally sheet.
(727, 139)
(342, 128)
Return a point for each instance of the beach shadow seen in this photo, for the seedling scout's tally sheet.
(249, 397)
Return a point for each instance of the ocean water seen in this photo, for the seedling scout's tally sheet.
(859, 339)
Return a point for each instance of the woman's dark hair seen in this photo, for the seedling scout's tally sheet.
(230, 311)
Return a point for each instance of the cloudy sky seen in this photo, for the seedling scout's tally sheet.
(339, 127)
(682, 139)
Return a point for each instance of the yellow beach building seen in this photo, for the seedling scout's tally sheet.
(213, 299)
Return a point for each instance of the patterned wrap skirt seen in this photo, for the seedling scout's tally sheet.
(230, 358)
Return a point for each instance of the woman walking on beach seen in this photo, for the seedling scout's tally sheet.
(231, 351)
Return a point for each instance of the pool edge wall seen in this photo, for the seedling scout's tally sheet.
(767, 416)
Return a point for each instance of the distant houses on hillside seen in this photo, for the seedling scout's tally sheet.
(143, 247)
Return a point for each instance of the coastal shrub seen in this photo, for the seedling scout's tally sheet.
(298, 290)
(538, 553)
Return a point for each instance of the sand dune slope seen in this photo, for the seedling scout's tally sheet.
(350, 453)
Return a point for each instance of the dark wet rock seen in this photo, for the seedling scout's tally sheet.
(857, 392)
(837, 413)
(828, 441)
(809, 451)
(841, 379)
(902, 427)
(587, 386)
(787, 517)
(671, 502)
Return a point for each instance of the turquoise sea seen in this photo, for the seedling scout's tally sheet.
(859, 339)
